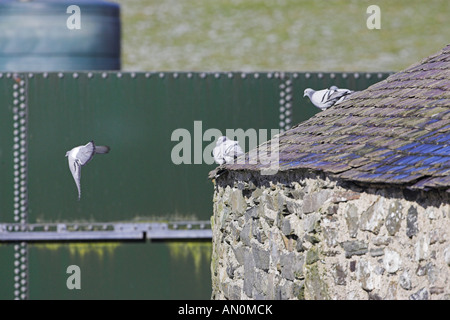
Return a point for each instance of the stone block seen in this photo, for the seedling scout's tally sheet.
(394, 217)
(373, 218)
(355, 247)
(352, 219)
(412, 224)
(312, 202)
(261, 256)
(391, 261)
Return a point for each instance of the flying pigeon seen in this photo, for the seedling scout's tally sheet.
(80, 156)
(226, 150)
(326, 98)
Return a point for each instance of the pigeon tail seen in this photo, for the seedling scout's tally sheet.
(102, 149)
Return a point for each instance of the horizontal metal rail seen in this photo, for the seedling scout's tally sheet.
(163, 231)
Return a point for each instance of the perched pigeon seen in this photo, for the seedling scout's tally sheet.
(226, 150)
(80, 156)
(326, 98)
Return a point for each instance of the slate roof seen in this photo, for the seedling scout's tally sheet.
(397, 131)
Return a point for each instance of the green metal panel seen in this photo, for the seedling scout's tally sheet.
(6, 148)
(121, 271)
(136, 116)
(6, 272)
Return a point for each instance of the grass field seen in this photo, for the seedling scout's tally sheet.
(285, 35)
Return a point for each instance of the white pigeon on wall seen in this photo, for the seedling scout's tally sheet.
(226, 150)
(80, 156)
(323, 99)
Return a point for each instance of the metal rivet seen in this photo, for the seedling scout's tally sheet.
(60, 75)
(30, 75)
(307, 75)
(203, 75)
(230, 75)
(133, 75)
(175, 75)
(344, 75)
(119, 75)
(320, 75)
(90, 75)
(161, 75)
(356, 75)
(104, 75)
(45, 75)
(332, 75)
(368, 75)
(148, 74)
(217, 75)
(243, 75)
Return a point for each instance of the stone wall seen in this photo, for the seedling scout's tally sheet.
(302, 236)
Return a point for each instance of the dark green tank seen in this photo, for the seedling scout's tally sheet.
(59, 35)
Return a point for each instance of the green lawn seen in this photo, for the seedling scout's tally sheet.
(285, 35)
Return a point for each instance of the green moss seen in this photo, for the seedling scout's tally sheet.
(315, 285)
(312, 255)
(81, 249)
(198, 251)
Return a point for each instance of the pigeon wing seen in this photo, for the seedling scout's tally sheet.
(75, 169)
(218, 156)
(338, 94)
(321, 99)
(237, 150)
(86, 153)
(232, 151)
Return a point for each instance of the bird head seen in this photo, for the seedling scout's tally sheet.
(308, 92)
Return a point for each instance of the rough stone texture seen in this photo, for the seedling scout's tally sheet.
(305, 236)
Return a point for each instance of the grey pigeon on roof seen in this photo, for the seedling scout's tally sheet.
(226, 150)
(80, 156)
(323, 99)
